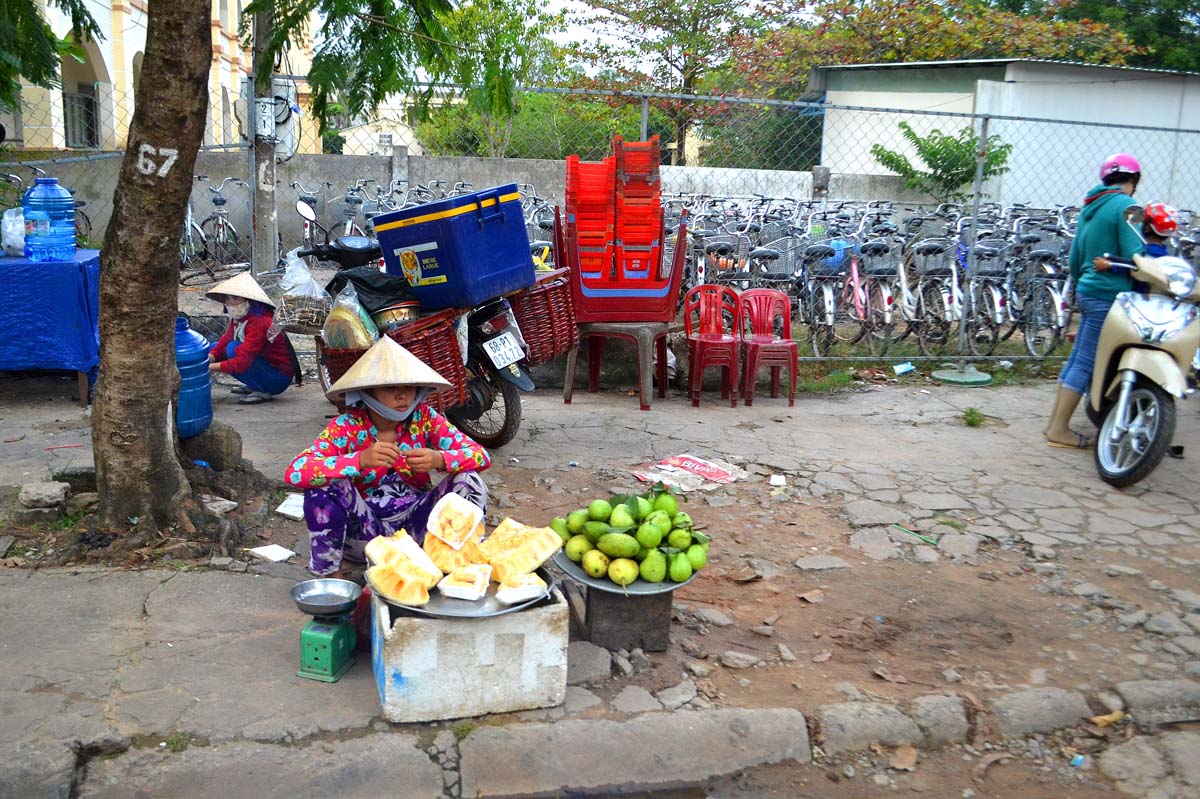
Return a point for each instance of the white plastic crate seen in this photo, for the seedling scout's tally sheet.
(430, 669)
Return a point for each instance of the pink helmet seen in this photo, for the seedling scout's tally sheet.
(1120, 163)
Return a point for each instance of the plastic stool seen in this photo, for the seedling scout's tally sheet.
(649, 338)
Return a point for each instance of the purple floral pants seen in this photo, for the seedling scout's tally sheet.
(341, 521)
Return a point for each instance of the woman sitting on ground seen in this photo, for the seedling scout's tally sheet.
(368, 473)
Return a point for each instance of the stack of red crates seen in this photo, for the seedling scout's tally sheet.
(590, 227)
(639, 216)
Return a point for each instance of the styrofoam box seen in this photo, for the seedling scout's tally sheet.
(429, 669)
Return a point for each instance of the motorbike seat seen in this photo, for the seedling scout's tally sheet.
(765, 254)
(1029, 238)
(875, 248)
(983, 251)
(546, 224)
(310, 199)
(218, 201)
(718, 248)
(752, 227)
(884, 228)
(1041, 256)
(354, 200)
(538, 246)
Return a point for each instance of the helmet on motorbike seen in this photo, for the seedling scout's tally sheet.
(1162, 218)
(1121, 163)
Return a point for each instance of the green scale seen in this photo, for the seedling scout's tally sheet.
(327, 641)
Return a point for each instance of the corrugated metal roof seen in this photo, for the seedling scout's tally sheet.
(979, 62)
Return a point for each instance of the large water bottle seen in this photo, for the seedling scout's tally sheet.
(49, 221)
(194, 414)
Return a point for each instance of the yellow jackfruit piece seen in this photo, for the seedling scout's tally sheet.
(513, 549)
(396, 586)
(402, 555)
(449, 559)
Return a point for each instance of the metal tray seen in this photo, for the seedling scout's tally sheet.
(444, 607)
(638, 587)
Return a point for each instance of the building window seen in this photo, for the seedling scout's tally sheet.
(81, 118)
(224, 10)
(385, 141)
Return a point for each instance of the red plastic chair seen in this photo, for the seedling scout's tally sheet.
(760, 310)
(710, 315)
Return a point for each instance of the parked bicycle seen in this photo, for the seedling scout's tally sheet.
(211, 249)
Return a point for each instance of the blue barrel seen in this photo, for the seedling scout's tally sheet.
(194, 414)
(49, 221)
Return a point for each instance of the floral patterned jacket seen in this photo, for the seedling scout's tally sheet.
(335, 453)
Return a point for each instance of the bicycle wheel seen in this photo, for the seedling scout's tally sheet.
(1041, 328)
(881, 326)
(983, 332)
(933, 328)
(850, 325)
(83, 227)
(820, 331)
(224, 246)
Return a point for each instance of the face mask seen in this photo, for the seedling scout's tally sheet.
(238, 308)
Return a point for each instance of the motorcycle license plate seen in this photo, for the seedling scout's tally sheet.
(503, 350)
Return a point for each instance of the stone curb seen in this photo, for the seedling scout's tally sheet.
(657, 750)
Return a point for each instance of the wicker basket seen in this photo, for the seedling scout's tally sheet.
(546, 316)
(431, 339)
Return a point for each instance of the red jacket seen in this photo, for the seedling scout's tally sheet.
(254, 343)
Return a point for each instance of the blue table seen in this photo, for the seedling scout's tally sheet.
(50, 316)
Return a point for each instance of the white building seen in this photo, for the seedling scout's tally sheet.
(1062, 119)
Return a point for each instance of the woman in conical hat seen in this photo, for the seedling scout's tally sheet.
(369, 472)
(252, 350)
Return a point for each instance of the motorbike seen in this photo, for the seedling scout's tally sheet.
(1143, 360)
(496, 369)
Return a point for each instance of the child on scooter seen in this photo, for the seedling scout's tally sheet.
(1159, 222)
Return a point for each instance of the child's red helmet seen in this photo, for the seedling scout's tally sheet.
(1162, 218)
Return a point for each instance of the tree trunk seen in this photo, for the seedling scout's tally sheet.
(140, 480)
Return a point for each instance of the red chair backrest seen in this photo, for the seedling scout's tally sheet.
(715, 308)
(760, 308)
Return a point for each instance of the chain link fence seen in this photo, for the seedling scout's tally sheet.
(782, 176)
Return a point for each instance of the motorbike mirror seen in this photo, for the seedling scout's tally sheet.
(1134, 215)
(306, 211)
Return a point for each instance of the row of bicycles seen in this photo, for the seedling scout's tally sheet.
(870, 273)
(212, 248)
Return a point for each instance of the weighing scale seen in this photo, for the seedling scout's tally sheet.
(327, 641)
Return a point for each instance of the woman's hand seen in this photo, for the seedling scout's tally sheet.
(1101, 264)
(423, 460)
(214, 367)
(380, 455)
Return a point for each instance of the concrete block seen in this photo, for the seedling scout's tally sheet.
(82, 479)
(942, 718)
(851, 726)
(43, 495)
(654, 751)
(428, 669)
(1039, 710)
(1161, 701)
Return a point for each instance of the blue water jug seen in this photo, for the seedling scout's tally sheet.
(194, 414)
(49, 221)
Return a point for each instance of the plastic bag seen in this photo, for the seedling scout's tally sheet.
(303, 304)
(12, 231)
(348, 325)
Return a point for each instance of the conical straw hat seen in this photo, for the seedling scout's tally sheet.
(242, 285)
(386, 364)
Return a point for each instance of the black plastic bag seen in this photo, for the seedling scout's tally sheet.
(376, 290)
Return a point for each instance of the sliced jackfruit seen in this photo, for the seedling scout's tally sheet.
(454, 519)
(514, 549)
(405, 556)
(396, 586)
(469, 582)
(449, 559)
(520, 588)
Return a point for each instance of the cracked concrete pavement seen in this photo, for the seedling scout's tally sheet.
(98, 666)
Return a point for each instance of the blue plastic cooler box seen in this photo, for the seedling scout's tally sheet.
(459, 251)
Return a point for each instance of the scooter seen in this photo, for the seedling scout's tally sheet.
(495, 353)
(1142, 362)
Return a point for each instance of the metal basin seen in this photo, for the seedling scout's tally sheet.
(325, 596)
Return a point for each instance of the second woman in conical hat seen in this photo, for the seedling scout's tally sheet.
(252, 350)
(369, 472)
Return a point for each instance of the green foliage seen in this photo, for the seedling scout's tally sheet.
(949, 161)
(178, 742)
(754, 137)
(29, 48)
(973, 417)
(550, 126)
